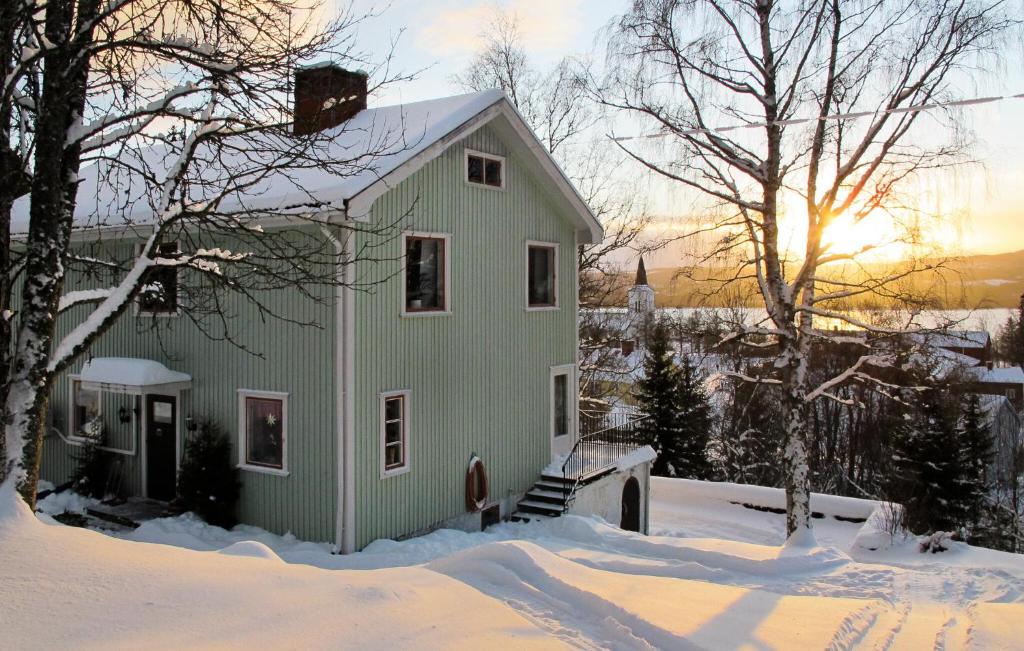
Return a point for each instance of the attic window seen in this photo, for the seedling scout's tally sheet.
(485, 169)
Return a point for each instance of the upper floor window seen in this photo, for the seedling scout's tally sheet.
(159, 293)
(426, 273)
(541, 276)
(485, 169)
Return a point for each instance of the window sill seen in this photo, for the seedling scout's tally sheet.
(278, 472)
(425, 313)
(542, 308)
(384, 474)
(157, 315)
(493, 188)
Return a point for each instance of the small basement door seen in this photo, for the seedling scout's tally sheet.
(631, 505)
(161, 465)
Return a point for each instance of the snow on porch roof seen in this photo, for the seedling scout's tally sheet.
(130, 375)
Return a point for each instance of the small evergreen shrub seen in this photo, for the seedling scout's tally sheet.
(92, 464)
(208, 481)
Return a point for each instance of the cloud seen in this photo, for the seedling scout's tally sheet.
(545, 25)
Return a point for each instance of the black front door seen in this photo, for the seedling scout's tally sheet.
(160, 448)
(631, 505)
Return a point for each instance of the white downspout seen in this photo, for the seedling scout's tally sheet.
(344, 379)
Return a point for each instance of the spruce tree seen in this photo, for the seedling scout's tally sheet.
(976, 453)
(656, 396)
(928, 476)
(691, 452)
(208, 481)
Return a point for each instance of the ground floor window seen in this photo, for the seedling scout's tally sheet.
(85, 411)
(263, 439)
(562, 402)
(394, 432)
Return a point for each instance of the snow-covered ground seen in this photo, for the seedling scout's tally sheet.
(712, 576)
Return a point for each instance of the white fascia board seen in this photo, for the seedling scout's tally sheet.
(591, 231)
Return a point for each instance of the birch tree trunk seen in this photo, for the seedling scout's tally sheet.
(748, 103)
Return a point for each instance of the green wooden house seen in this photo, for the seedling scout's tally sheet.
(365, 428)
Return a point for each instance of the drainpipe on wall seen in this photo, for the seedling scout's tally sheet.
(344, 378)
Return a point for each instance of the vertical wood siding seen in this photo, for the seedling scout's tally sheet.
(296, 360)
(478, 377)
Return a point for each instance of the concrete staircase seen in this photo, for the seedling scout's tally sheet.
(545, 500)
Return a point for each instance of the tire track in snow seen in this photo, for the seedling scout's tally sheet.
(509, 573)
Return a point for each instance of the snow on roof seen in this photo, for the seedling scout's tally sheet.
(956, 338)
(130, 372)
(1006, 375)
(379, 141)
(386, 137)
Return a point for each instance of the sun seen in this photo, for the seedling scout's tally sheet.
(884, 235)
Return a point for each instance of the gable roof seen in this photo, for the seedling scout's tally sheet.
(400, 139)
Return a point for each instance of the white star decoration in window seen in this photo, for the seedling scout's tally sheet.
(271, 420)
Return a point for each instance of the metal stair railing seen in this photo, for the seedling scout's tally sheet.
(615, 436)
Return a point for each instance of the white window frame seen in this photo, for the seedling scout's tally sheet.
(73, 435)
(243, 438)
(486, 157)
(447, 273)
(139, 312)
(571, 402)
(555, 280)
(406, 462)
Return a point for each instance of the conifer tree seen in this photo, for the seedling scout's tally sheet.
(976, 453)
(691, 458)
(657, 396)
(208, 481)
(928, 477)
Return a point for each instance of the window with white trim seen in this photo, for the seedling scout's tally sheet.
(485, 169)
(561, 403)
(263, 435)
(394, 433)
(541, 276)
(426, 273)
(85, 411)
(159, 292)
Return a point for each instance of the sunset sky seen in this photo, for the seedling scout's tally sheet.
(982, 203)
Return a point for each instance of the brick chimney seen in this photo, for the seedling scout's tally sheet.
(325, 96)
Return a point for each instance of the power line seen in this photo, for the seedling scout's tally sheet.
(836, 117)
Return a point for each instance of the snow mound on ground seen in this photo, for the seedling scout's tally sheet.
(65, 502)
(189, 531)
(252, 549)
(876, 533)
(65, 587)
(728, 556)
(13, 510)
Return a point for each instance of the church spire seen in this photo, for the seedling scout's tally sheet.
(641, 273)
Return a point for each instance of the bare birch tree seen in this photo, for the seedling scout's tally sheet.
(175, 115)
(556, 105)
(756, 102)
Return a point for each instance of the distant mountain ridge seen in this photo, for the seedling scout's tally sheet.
(975, 281)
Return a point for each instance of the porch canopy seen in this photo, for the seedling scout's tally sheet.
(131, 375)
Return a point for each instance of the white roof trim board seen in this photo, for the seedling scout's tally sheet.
(130, 375)
(405, 137)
